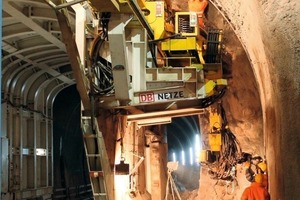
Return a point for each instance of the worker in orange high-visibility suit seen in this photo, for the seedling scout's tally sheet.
(263, 167)
(256, 191)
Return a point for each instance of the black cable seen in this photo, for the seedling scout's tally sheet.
(168, 37)
(230, 153)
(25, 107)
(101, 69)
(104, 20)
(152, 51)
(205, 102)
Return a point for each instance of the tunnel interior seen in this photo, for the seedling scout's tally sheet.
(262, 59)
(184, 143)
(241, 103)
(71, 178)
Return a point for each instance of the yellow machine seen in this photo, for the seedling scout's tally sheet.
(146, 63)
(182, 59)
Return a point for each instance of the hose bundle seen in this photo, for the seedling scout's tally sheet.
(229, 155)
(101, 69)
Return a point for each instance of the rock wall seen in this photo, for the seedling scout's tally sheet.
(243, 109)
(262, 102)
(269, 33)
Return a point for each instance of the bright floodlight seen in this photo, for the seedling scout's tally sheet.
(191, 156)
(197, 147)
(174, 156)
(182, 157)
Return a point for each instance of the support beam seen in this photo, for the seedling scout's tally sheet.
(140, 149)
(105, 5)
(165, 114)
(64, 5)
(157, 171)
(18, 15)
(137, 11)
(117, 46)
(81, 80)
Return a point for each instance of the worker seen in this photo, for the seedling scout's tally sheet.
(256, 191)
(263, 168)
(252, 168)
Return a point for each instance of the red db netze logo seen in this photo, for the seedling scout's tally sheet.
(147, 97)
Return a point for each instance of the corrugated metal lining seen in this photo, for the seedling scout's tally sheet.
(35, 68)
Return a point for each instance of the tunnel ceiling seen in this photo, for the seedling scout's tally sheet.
(34, 59)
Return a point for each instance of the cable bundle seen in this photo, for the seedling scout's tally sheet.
(212, 99)
(230, 154)
(101, 69)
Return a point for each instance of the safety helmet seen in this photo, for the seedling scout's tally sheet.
(262, 166)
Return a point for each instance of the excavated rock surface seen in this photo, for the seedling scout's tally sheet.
(269, 32)
(262, 102)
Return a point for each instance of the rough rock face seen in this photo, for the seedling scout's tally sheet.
(241, 102)
(243, 110)
(269, 32)
(262, 102)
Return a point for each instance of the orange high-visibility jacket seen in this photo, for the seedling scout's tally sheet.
(255, 192)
